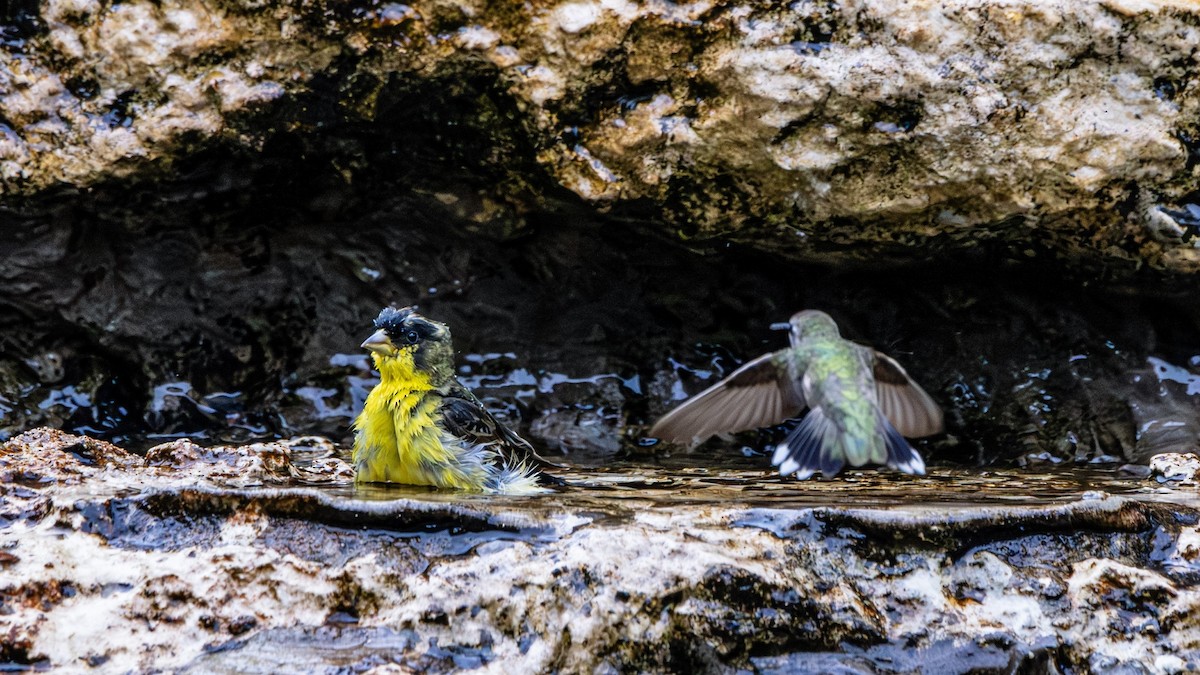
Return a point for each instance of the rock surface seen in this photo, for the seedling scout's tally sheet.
(1175, 467)
(828, 130)
(226, 558)
(205, 202)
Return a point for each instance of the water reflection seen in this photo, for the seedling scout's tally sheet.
(1167, 372)
(743, 481)
(68, 398)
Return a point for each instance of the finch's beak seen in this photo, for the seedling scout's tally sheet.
(782, 325)
(378, 343)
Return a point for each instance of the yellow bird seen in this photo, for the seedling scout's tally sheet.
(421, 426)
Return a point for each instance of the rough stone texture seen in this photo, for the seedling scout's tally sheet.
(823, 129)
(179, 563)
(1175, 467)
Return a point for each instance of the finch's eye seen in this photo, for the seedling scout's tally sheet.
(412, 337)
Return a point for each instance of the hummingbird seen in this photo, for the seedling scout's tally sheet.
(861, 404)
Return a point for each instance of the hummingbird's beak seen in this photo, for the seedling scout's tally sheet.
(378, 343)
(782, 325)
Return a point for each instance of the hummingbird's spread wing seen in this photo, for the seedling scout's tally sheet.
(904, 402)
(758, 394)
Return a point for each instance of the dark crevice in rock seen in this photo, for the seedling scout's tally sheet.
(120, 111)
(963, 533)
(1191, 145)
(20, 21)
(185, 518)
(902, 116)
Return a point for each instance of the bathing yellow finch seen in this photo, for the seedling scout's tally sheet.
(421, 426)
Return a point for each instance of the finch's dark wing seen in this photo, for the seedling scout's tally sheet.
(465, 417)
(904, 402)
(759, 394)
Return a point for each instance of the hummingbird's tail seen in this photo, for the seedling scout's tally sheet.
(811, 447)
(900, 455)
(817, 444)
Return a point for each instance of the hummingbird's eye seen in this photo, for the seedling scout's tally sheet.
(412, 337)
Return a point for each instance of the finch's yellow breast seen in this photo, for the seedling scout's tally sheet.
(398, 439)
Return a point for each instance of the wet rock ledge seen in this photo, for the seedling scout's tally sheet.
(263, 558)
